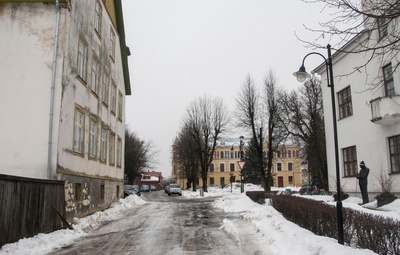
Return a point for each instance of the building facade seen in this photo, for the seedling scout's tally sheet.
(63, 96)
(368, 115)
(225, 166)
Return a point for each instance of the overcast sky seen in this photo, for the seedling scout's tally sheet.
(183, 49)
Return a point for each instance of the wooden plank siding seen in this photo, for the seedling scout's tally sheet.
(26, 207)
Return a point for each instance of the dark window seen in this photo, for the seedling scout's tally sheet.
(290, 166)
(78, 192)
(350, 161)
(345, 105)
(279, 166)
(221, 167)
(290, 179)
(394, 148)
(211, 180)
(212, 168)
(102, 192)
(222, 181)
(382, 27)
(388, 80)
(232, 167)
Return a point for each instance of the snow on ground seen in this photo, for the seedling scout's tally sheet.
(274, 231)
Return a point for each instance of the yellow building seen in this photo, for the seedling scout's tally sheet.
(225, 165)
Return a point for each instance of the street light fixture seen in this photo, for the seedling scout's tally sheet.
(301, 76)
(241, 159)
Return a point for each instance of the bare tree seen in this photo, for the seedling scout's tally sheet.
(372, 25)
(186, 156)
(206, 119)
(303, 118)
(139, 155)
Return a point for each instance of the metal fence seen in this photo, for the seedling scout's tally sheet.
(29, 206)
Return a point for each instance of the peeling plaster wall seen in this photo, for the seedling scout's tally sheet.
(26, 46)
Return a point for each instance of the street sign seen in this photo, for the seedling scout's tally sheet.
(241, 164)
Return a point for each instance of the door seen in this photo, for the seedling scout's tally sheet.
(280, 182)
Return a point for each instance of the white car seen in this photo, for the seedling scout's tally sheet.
(174, 188)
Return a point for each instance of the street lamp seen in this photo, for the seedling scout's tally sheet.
(241, 159)
(301, 76)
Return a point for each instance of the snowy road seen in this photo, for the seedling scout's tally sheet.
(169, 225)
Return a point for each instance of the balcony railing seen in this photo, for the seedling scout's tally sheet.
(385, 110)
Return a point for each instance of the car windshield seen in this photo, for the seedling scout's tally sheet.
(174, 185)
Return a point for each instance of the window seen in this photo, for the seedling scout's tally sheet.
(232, 154)
(93, 138)
(382, 27)
(278, 154)
(290, 166)
(222, 154)
(79, 130)
(111, 148)
(290, 179)
(227, 154)
(289, 153)
(279, 166)
(102, 191)
(345, 105)
(232, 167)
(222, 181)
(211, 167)
(103, 144)
(78, 192)
(117, 191)
(350, 161)
(120, 103)
(95, 75)
(97, 18)
(394, 149)
(388, 80)
(104, 90)
(222, 167)
(113, 98)
(211, 180)
(112, 44)
(119, 152)
(82, 59)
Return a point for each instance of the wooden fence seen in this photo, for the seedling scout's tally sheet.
(27, 207)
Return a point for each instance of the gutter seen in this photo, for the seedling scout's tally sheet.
(53, 80)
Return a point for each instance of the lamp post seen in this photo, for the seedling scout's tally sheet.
(301, 76)
(241, 159)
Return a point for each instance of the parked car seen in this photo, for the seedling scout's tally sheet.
(174, 188)
(153, 188)
(144, 188)
(306, 188)
(131, 189)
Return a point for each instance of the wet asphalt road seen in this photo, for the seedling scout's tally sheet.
(168, 225)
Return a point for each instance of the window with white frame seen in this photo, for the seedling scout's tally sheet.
(394, 149)
(119, 151)
(111, 148)
(82, 59)
(290, 166)
(232, 167)
(222, 167)
(211, 167)
(94, 85)
(112, 44)
(79, 130)
(113, 98)
(103, 144)
(97, 18)
(120, 104)
(382, 27)
(211, 180)
(345, 104)
(388, 80)
(350, 161)
(104, 88)
(93, 138)
(279, 166)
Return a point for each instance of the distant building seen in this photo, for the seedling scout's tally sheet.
(62, 95)
(224, 166)
(150, 178)
(368, 118)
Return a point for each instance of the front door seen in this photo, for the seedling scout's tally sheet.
(280, 182)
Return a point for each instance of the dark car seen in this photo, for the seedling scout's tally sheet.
(306, 188)
(144, 188)
(131, 190)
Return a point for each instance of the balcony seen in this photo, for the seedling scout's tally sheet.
(385, 110)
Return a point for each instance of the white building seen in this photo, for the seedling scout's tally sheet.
(63, 114)
(368, 118)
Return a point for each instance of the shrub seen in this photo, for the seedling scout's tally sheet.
(362, 230)
(256, 196)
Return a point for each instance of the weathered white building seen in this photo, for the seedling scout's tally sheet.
(368, 115)
(62, 97)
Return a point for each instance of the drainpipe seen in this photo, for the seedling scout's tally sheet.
(53, 81)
